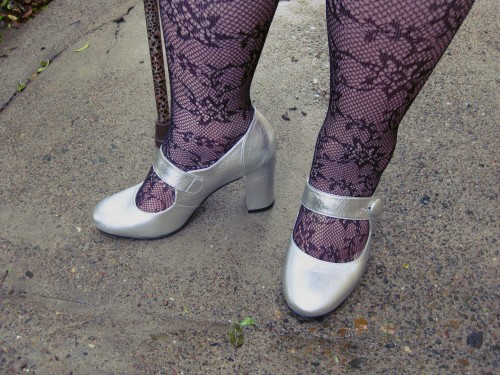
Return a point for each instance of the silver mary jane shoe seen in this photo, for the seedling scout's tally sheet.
(313, 287)
(252, 158)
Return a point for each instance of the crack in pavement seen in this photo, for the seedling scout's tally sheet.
(118, 21)
(51, 60)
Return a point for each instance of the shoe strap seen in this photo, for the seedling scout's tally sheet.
(352, 208)
(175, 177)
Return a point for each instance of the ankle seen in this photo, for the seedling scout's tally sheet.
(343, 187)
(191, 147)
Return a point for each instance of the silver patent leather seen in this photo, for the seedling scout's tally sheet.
(313, 287)
(252, 158)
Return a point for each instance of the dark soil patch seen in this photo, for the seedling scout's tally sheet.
(13, 12)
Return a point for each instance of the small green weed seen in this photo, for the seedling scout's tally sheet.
(236, 334)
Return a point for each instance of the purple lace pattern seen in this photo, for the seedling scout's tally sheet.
(212, 48)
(381, 54)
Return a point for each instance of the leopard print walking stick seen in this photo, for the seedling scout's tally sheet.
(158, 68)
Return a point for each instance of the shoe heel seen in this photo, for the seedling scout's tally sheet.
(259, 187)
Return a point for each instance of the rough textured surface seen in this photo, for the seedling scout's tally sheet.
(78, 301)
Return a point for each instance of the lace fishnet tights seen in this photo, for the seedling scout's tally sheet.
(381, 54)
(212, 48)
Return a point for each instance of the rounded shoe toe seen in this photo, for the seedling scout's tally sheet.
(313, 287)
(118, 214)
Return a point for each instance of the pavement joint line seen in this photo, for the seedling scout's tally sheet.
(192, 324)
(51, 59)
(56, 298)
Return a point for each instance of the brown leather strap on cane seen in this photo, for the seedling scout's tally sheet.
(160, 133)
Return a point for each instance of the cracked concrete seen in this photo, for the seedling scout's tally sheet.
(118, 21)
(78, 301)
(50, 34)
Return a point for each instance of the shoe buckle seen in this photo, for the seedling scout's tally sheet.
(376, 208)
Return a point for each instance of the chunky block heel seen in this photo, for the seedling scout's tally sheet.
(259, 187)
(254, 153)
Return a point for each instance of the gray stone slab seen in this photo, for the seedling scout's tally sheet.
(78, 301)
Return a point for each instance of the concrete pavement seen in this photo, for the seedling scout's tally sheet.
(78, 301)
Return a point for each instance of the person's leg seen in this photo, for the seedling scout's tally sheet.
(212, 49)
(381, 54)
